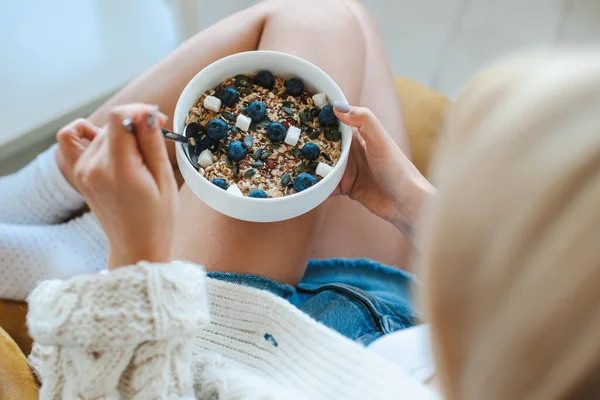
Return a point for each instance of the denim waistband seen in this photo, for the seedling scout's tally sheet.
(360, 299)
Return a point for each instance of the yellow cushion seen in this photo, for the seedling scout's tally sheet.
(12, 320)
(424, 113)
(16, 380)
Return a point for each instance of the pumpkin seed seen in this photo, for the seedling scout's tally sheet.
(314, 113)
(257, 164)
(265, 154)
(249, 173)
(329, 135)
(253, 126)
(304, 128)
(236, 169)
(303, 117)
(242, 80)
(246, 91)
(289, 104)
(274, 146)
(297, 153)
(313, 165)
(286, 179)
(264, 123)
(288, 110)
(300, 167)
(228, 161)
(229, 116)
(326, 156)
(257, 153)
(337, 136)
(248, 142)
(315, 134)
(234, 129)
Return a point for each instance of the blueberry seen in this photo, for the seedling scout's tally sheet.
(304, 181)
(229, 96)
(220, 183)
(237, 151)
(294, 86)
(311, 151)
(265, 79)
(258, 194)
(217, 129)
(256, 111)
(326, 116)
(276, 132)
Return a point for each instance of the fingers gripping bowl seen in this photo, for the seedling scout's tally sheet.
(292, 203)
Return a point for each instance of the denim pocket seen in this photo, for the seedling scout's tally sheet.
(351, 311)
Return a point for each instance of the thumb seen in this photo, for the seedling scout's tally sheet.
(371, 130)
(74, 138)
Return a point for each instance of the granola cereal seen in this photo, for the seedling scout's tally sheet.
(267, 136)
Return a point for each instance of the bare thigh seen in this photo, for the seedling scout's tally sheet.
(348, 229)
(340, 40)
(358, 62)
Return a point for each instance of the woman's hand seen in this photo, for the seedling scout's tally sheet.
(127, 180)
(379, 175)
(72, 140)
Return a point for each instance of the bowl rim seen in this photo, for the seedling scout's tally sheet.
(344, 154)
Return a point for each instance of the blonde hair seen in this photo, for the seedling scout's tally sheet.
(511, 246)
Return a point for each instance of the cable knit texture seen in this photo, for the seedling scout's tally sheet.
(143, 332)
(125, 334)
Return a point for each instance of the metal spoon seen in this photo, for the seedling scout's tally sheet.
(174, 136)
(170, 135)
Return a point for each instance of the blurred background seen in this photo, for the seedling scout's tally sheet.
(62, 58)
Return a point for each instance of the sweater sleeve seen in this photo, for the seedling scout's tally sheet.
(38, 194)
(125, 334)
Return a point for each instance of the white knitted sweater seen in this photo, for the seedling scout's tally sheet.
(165, 331)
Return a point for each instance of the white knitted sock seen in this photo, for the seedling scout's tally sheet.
(30, 254)
(38, 194)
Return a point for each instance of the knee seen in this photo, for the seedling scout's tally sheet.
(331, 17)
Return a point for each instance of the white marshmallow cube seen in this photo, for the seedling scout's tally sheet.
(323, 169)
(234, 189)
(292, 136)
(320, 100)
(212, 103)
(205, 159)
(243, 122)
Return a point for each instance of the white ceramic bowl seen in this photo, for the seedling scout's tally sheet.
(247, 208)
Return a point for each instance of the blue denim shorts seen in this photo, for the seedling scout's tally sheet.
(361, 299)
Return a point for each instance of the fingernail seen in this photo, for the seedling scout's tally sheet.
(128, 125)
(163, 116)
(342, 106)
(151, 120)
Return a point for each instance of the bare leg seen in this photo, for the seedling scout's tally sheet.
(379, 94)
(163, 83)
(279, 250)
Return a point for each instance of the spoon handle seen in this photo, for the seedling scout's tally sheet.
(173, 136)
